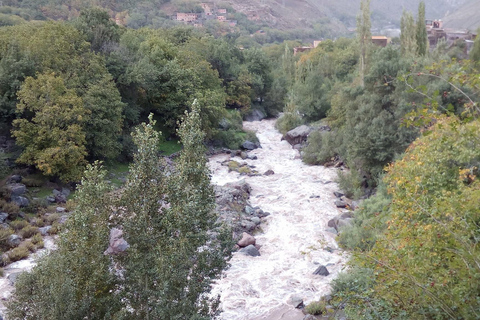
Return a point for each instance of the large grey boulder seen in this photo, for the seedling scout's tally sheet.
(249, 145)
(255, 115)
(250, 251)
(44, 230)
(20, 201)
(298, 135)
(322, 271)
(16, 189)
(14, 240)
(15, 178)
(117, 244)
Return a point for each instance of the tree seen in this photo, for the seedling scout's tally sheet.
(52, 138)
(75, 281)
(475, 53)
(364, 37)
(421, 34)
(408, 41)
(172, 259)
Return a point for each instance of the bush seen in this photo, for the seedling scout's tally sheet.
(9, 207)
(321, 147)
(36, 205)
(37, 238)
(56, 228)
(52, 218)
(18, 224)
(4, 234)
(288, 121)
(350, 183)
(32, 182)
(29, 245)
(316, 308)
(18, 253)
(28, 231)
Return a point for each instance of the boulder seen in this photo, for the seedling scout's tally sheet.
(50, 199)
(248, 225)
(117, 244)
(66, 191)
(60, 198)
(20, 201)
(16, 189)
(249, 210)
(3, 217)
(14, 240)
(249, 145)
(243, 155)
(255, 115)
(298, 135)
(16, 178)
(250, 251)
(261, 214)
(322, 271)
(255, 220)
(338, 194)
(269, 172)
(246, 240)
(44, 230)
(296, 301)
(12, 277)
(340, 204)
(60, 209)
(252, 157)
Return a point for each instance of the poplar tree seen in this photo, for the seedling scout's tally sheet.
(422, 38)
(364, 37)
(408, 40)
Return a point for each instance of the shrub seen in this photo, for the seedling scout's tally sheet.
(28, 231)
(316, 308)
(18, 253)
(37, 238)
(51, 218)
(350, 183)
(56, 228)
(2, 273)
(4, 234)
(29, 245)
(18, 224)
(10, 207)
(32, 182)
(36, 205)
(288, 121)
(321, 147)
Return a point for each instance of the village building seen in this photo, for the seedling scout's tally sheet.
(186, 16)
(380, 41)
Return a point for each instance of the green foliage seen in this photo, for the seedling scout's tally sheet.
(421, 32)
(316, 308)
(350, 183)
(289, 120)
(18, 253)
(408, 41)
(78, 274)
(321, 147)
(53, 138)
(28, 231)
(475, 52)
(364, 36)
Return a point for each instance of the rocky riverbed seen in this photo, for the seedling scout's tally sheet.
(293, 241)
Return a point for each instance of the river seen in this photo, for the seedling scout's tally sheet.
(293, 238)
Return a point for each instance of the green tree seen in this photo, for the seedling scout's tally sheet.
(169, 265)
(53, 139)
(364, 36)
(475, 53)
(421, 34)
(75, 281)
(408, 41)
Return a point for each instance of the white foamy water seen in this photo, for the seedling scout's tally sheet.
(300, 199)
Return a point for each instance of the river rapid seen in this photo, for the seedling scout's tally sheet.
(293, 238)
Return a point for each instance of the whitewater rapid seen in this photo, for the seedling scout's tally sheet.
(293, 238)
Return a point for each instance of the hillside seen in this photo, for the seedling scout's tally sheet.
(466, 17)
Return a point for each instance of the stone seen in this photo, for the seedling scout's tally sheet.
(256, 220)
(56, 192)
(117, 244)
(340, 204)
(269, 172)
(3, 217)
(342, 223)
(249, 145)
(50, 199)
(44, 230)
(20, 201)
(249, 210)
(309, 317)
(298, 135)
(63, 219)
(322, 271)
(355, 204)
(314, 196)
(60, 209)
(248, 225)
(255, 115)
(246, 240)
(338, 194)
(250, 251)
(243, 155)
(12, 277)
(16, 178)
(297, 147)
(60, 198)
(296, 301)
(331, 230)
(252, 157)
(16, 189)
(14, 240)
(261, 214)
(66, 191)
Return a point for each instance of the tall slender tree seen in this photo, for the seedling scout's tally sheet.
(364, 37)
(422, 37)
(408, 39)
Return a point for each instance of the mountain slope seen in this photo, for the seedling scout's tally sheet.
(466, 17)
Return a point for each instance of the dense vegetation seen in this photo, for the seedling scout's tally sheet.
(403, 119)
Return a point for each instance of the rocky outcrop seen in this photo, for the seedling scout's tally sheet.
(117, 244)
(298, 135)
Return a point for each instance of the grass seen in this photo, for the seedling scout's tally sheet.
(169, 147)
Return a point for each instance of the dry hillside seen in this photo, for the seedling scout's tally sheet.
(466, 17)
